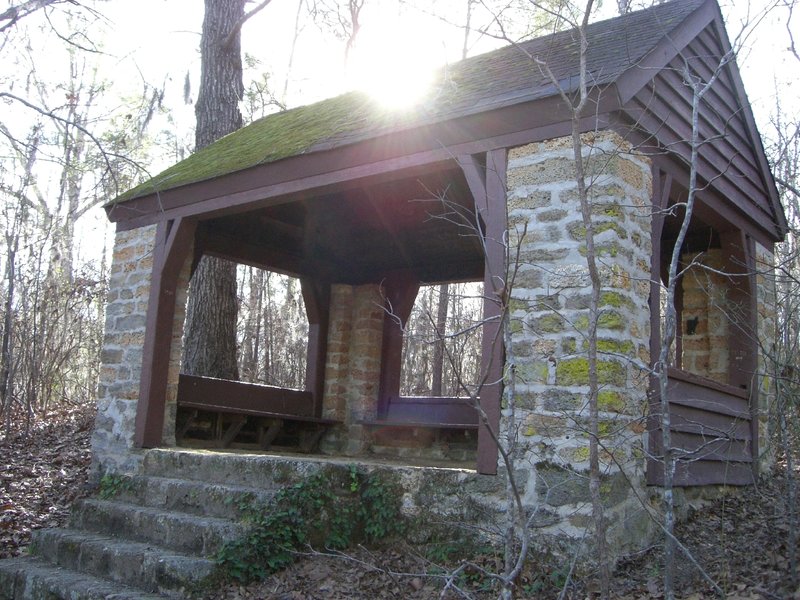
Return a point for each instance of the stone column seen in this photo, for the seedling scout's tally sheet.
(548, 325)
(353, 366)
(767, 408)
(118, 388)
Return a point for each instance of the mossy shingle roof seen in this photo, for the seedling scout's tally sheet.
(481, 83)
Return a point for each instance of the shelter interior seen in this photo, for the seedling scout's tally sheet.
(415, 229)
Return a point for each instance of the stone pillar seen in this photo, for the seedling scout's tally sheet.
(548, 324)
(118, 388)
(353, 366)
(705, 320)
(768, 350)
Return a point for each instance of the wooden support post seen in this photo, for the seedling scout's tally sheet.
(487, 182)
(738, 250)
(662, 185)
(400, 290)
(173, 241)
(317, 298)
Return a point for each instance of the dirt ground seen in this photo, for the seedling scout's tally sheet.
(740, 540)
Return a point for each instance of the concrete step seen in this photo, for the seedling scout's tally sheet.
(31, 578)
(136, 564)
(190, 534)
(192, 497)
(253, 470)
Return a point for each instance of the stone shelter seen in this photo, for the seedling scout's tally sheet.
(476, 183)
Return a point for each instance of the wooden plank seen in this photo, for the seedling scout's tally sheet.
(446, 412)
(223, 395)
(662, 186)
(729, 406)
(716, 131)
(688, 474)
(172, 244)
(699, 381)
(711, 448)
(712, 206)
(711, 425)
(494, 213)
(631, 82)
(235, 426)
(668, 132)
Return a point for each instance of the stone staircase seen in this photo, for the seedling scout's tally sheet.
(155, 538)
(155, 534)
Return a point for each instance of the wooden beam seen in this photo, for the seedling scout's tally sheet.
(325, 170)
(172, 244)
(490, 201)
(662, 187)
(222, 395)
(317, 299)
(400, 290)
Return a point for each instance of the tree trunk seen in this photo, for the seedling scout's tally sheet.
(210, 333)
(438, 349)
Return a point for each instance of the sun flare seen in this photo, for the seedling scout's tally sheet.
(396, 73)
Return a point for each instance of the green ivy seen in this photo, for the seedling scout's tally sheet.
(112, 485)
(326, 509)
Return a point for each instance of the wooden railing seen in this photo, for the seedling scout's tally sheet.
(430, 411)
(712, 435)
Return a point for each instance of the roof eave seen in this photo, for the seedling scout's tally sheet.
(676, 39)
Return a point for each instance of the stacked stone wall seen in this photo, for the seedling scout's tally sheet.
(118, 389)
(549, 316)
(705, 348)
(353, 365)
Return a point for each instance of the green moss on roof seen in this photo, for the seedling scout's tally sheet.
(269, 139)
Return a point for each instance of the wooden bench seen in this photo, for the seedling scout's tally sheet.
(431, 412)
(237, 400)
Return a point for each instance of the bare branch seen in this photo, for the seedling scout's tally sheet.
(13, 14)
(238, 26)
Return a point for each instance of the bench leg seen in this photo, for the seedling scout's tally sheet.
(233, 430)
(267, 437)
(181, 433)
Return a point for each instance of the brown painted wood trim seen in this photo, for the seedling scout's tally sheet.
(662, 186)
(400, 289)
(439, 410)
(423, 150)
(705, 382)
(222, 395)
(755, 387)
(172, 244)
(756, 142)
(317, 299)
(493, 209)
(690, 474)
(631, 81)
(713, 197)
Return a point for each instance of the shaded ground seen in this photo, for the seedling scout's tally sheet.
(42, 474)
(741, 540)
